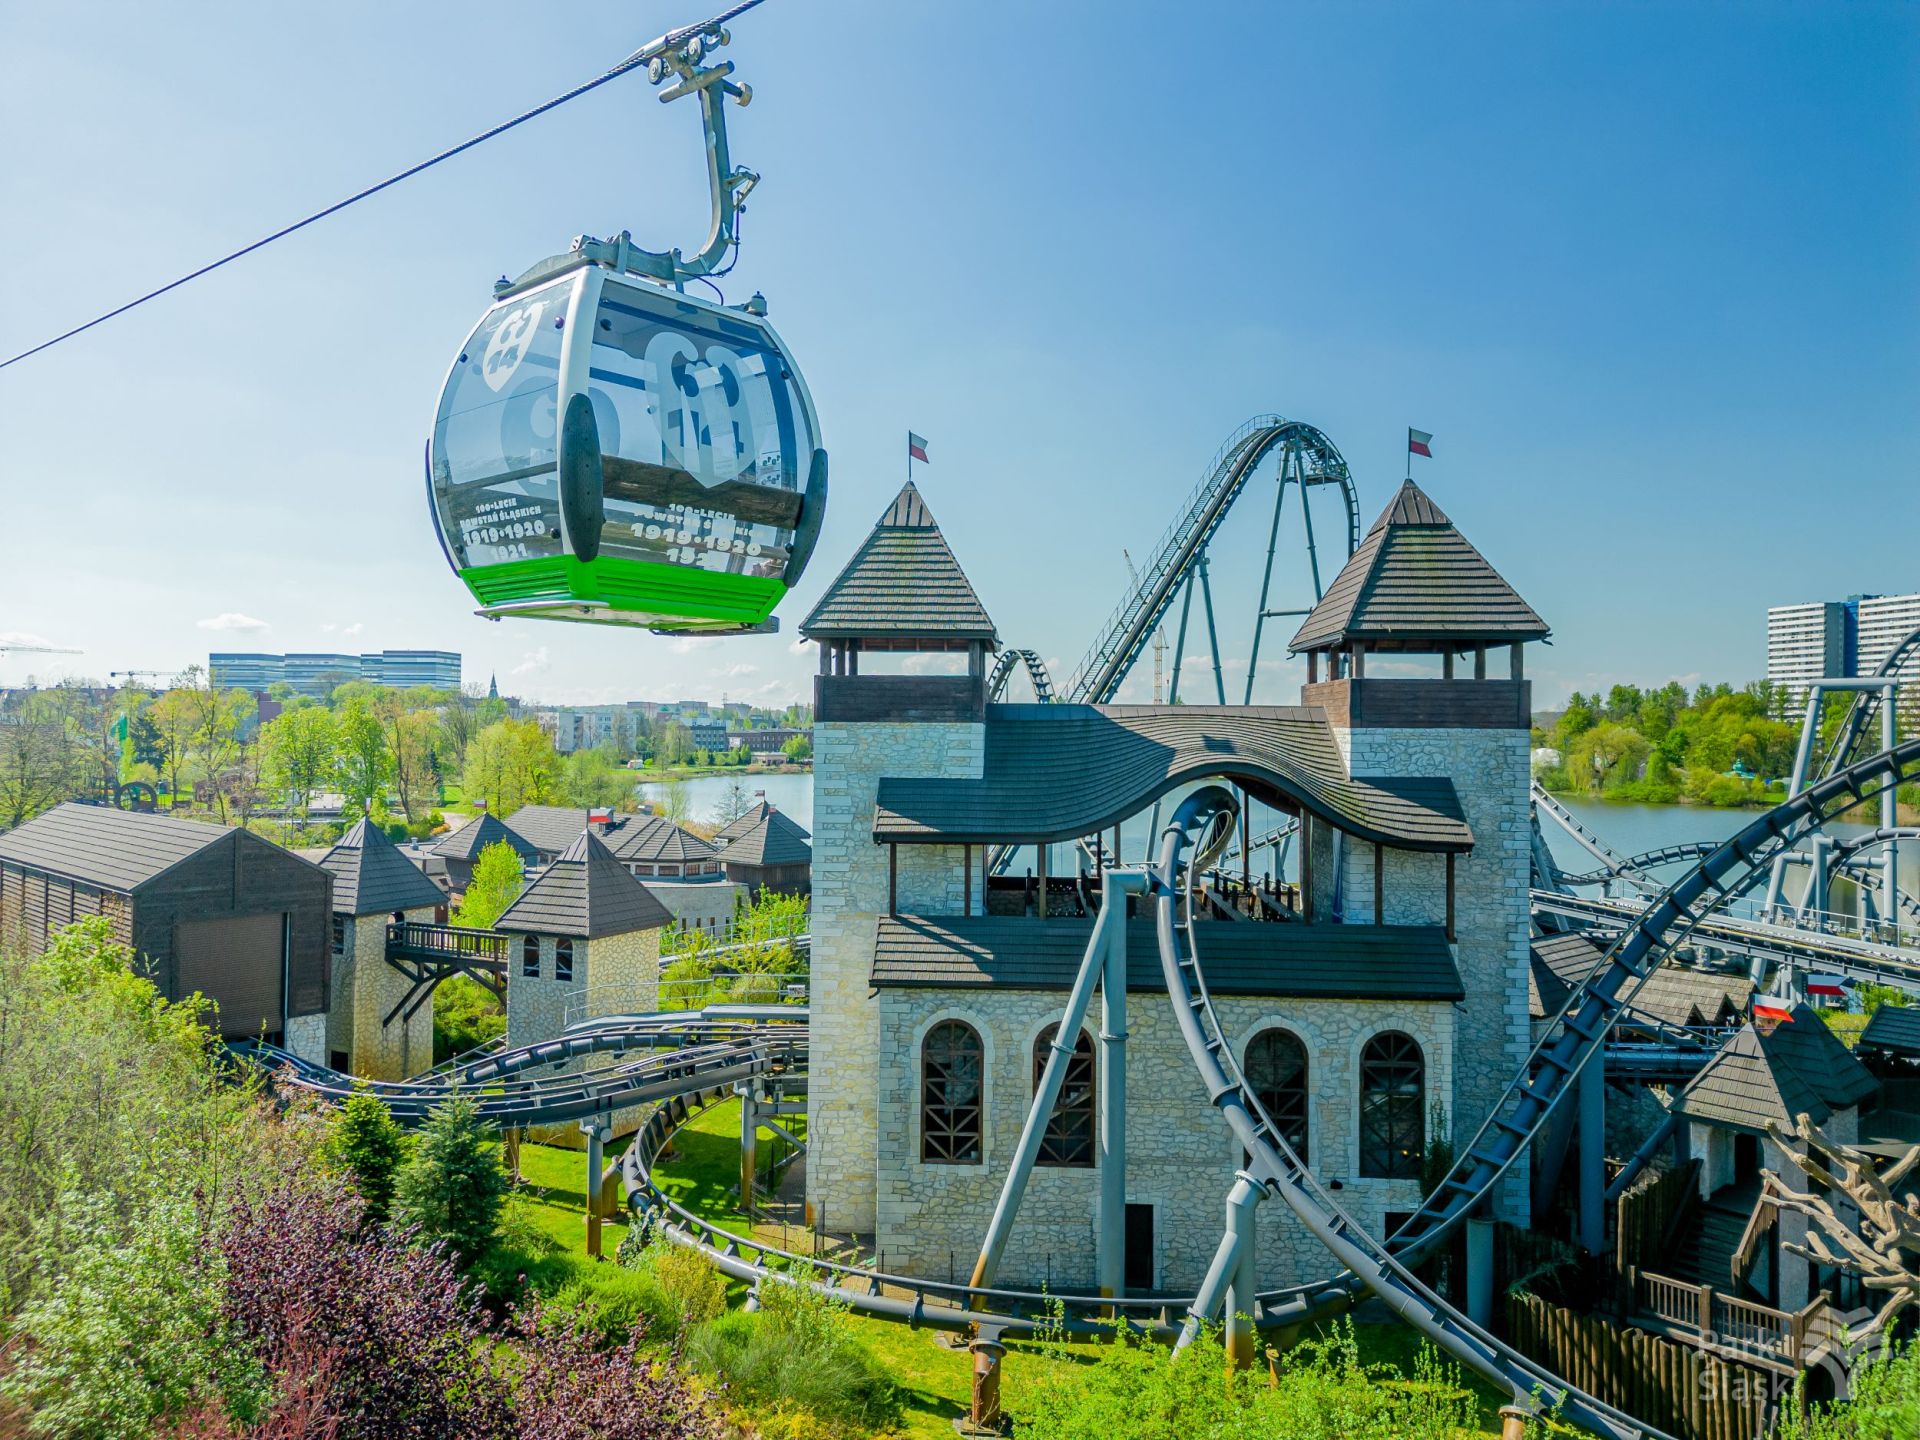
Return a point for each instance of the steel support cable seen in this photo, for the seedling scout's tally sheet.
(633, 62)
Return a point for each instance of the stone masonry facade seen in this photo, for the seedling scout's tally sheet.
(1490, 771)
(849, 896)
(1181, 1159)
(365, 988)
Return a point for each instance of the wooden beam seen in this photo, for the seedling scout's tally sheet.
(1306, 867)
(893, 879)
(1451, 857)
(1040, 854)
(1480, 662)
(1313, 667)
(1516, 665)
(966, 879)
(1379, 883)
(1446, 666)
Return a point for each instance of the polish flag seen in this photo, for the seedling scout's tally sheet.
(917, 448)
(1826, 985)
(1775, 1013)
(1419, 442)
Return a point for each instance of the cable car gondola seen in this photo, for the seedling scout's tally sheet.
(611, 449)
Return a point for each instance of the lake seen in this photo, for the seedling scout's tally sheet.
(792, 795)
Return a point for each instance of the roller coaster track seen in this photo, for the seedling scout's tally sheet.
(704, 1056)
(1866, 704)
(1645, 861)
(1009, 661)
(1616, 866)
(1129, 629)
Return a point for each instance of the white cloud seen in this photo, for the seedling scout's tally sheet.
(353, 629)
(799, 646)
(234, 620)
(534, 662)
(739, 670)
(687, 644)
(25, 637)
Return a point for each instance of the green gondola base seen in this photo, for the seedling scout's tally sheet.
(668, 599)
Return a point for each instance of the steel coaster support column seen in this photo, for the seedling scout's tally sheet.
(1179, 648)
(1890, 813)
(983, 1412)
(1213, 1286)
(1480, 1270)
(1047, 1092)
(597, 1131)
(1213, 635)
(1802, 760)
(1593, 1152)
(1111, 1248)
(1242, 1304)
(1306, 516)
(749, 1145)
(1266, 578)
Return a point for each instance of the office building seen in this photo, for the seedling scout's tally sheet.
(317, 674)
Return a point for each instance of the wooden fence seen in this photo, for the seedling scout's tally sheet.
(1684, 1391)
(1647, 1215)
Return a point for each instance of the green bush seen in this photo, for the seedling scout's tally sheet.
(369, 1147)
(1319, 1390)
(611, 1302)
(693, 1289)
(465, 1014)
(1885, 1403)
(798, 1353)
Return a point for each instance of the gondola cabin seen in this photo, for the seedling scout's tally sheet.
(613, 451)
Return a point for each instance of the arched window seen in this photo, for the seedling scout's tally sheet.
(1393, 1117)
(1069, 1135)
(530, 957)
(952, 1062)
(1276, 1069)
(563, 959)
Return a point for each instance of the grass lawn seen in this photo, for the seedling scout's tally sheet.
(936, 1378)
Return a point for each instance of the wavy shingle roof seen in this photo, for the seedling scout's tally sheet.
(776, 840)
(1416, 578)
(1799, 1067)
(1057, 772)
(477, 834)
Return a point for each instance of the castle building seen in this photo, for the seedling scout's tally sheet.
(1377, 1000)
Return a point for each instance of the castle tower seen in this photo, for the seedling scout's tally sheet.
(901, 594)
(375, 885)
(1416, 593)
(588, 944)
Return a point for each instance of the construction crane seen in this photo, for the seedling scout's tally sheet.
(7, 647)
(1159, 633)
(134, 675)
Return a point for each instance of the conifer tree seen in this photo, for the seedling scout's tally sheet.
(370, 1147)
(452, 1187)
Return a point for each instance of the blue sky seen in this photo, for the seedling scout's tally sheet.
(1650, 273)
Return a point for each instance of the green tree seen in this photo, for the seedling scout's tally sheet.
(37, 758)
(798, 747)
(494, 885)
(370, 1147)
(673, 744)
(219, 721)
(590, 777)
(453, 1186)
(1606, 756)
(366, 765)
(465, 1014)
(173, 721)
(298, 749)
(509, 764)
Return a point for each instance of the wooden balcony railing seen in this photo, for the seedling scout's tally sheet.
(447, 942)
(1743, 1329)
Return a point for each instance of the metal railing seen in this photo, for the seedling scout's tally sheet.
(691, 993)
(734, 936)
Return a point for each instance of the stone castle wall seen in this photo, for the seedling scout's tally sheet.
(365, 988)
(849, 896)
(1181, 1158)
(1490, 771)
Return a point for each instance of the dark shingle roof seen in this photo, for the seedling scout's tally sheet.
(1674, 994)
(1799, 1067)
(114, 849)
(585, 894)
(552, 828)
(1055, 772)
(1415, 577)
(902, 582)
(371, 876)
(752, 816)
(477, 834)
(1895, 1029)
(776, 840)
(1326, 962)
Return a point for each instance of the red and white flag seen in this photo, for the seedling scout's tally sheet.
(1776, 1013)
(917, 448)
(1419, 442)
(1833, 985)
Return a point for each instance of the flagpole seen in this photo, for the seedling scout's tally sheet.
(1409, 454)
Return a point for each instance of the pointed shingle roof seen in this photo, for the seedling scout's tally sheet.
(585, 894)
(776, 840)
(477, 834)
(1416, 578)
(902, 583)
(1799, 1067)
(749, 818)
(372, 877)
